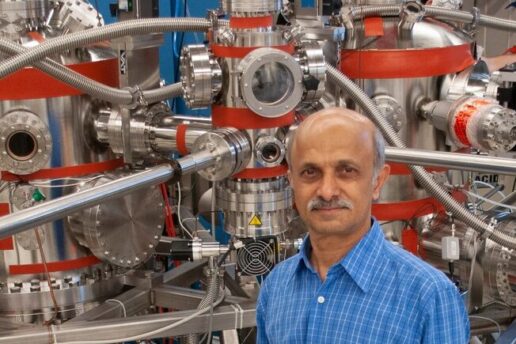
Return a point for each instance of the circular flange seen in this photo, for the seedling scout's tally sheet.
(271, 82)
(391, 110)
(269, 151)
(201, 76)
(25, 142)
(123, 231)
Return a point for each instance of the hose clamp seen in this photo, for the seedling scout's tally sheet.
(138, 98)
(490, 229)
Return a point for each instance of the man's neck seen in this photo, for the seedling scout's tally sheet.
(330, 249)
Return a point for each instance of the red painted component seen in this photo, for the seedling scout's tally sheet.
(64, 172)
(410, 240)
(405, 210)
(462, 117)
(241, 52)
(7, 243)
(250, 22)
(243, 118)
(181, 139)
(405, 63)
(373, 26)
(63, 265)
(31, 83)
(261, 173)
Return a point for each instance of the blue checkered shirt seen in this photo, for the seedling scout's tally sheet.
(378, 293)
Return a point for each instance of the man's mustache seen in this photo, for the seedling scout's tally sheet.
(319, 203)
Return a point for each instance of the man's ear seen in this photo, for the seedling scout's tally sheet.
(380, 180)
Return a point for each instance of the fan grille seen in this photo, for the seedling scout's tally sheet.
(257, 257)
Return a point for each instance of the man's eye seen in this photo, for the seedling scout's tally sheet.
(309, 172)
(347, 170)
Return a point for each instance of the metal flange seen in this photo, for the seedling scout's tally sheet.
(25, 143)
(201, 76)
(271, 82)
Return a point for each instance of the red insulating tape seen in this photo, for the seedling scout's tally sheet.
(243, 118)
(250, 22)
(62, 265)
(410, 240)
(260, 173)
(461, 120)
(64, 172)
(181, 139)
(31, 83)
(373, 26)
(241, 52)
(405, 63)
(7, 243)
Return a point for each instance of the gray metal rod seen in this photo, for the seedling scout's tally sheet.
(454, 161)
(67, 205)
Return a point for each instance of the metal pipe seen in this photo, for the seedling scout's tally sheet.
(64, 206)
(454, 161)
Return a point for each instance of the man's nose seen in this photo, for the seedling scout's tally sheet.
(328, 188)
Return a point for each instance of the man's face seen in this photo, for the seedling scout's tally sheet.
(332, 176)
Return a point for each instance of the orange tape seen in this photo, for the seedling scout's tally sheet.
(7, 243)
(31, 83)
(241, 52)
(405, 63)
(373, 26)
(181, 139)
(250, 22)
(63, 265)
(243, 118)
(64, 172)
(261, 173)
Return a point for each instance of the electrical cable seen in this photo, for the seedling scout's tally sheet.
(489, 186)
(179, 200)
(151, 333)
(472, 194)
(488, 319)
(124, 312)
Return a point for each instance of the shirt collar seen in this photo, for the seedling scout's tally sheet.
(360, 263)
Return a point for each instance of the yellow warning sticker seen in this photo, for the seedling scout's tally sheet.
(255, 221)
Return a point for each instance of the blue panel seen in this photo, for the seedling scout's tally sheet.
(308, 3)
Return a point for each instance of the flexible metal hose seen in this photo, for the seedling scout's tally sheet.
(87, 37)
(419, 172)
(212, 292)
(359, 12)
(92, 87)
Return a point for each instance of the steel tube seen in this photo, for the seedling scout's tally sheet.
(454, 161)
(224, 318)
(67, 205)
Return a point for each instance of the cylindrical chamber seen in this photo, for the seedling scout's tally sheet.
(255, 208)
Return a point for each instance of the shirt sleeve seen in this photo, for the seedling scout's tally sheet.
(446, 320)
(261, 304)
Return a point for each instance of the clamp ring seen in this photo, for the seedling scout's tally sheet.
(138, 97)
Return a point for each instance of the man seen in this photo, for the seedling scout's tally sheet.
(348, 284)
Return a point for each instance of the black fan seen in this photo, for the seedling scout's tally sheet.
(258, 256)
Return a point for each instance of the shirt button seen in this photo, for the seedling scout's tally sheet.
(320, 299)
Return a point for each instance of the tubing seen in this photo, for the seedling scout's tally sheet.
(419, 172)
(92, 87)
(87, 37)
(359, 12)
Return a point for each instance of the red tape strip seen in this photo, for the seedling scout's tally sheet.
(181, 139)
(64, 172)
(373, 26)
(405, 63)
(241, 52)
(63, 265)
(7, 243)
(31, 83)
(243, 118)
(261, 173)
(250, 22)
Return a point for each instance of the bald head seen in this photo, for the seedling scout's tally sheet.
(325, 121)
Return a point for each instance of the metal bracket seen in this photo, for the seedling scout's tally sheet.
(411, 13)
(472, 27)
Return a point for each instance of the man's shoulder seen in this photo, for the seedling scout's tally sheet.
(415, 270)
